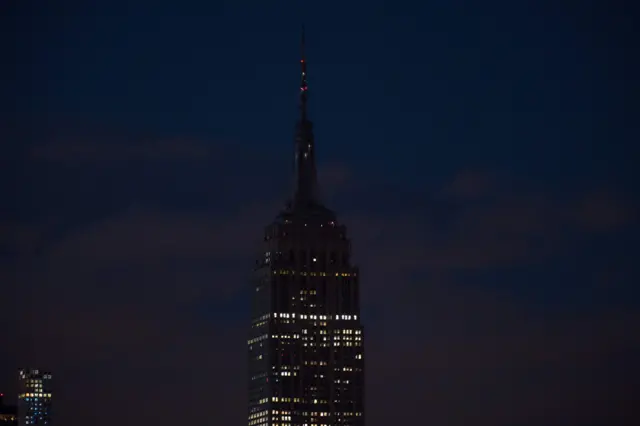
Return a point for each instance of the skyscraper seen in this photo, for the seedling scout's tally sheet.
(34, 398)
(306, 353)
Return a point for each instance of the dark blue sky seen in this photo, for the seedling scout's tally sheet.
(482, 153)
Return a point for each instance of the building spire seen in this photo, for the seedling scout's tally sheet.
(305, 193)
(304, 88)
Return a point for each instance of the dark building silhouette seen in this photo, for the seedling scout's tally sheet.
(8, 413)
(34, 397)
(306, 353)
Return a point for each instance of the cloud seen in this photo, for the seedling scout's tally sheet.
(504, 231)
(109, 151)
(18, 237)
(469, 185)
(499, 234)
(334, 177)
(550, 371)
(147, 235)
(601, 210)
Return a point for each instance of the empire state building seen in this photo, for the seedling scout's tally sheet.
(306, 351)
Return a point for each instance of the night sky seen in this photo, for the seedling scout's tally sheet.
(482, 154)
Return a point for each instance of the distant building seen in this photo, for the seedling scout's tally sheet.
(8, 413)
(34, 398)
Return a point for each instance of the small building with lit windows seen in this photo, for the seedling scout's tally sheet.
(34, 397)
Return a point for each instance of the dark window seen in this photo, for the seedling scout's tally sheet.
(346, 296)
(284, 297)
(323, 260)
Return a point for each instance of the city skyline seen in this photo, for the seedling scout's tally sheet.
(481, 154)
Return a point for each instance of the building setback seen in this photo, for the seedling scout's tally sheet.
(306, 352)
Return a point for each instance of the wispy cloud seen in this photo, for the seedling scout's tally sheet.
(149, 236)
(469, 185)
(89, 151)
(603, 210)
(20, 238)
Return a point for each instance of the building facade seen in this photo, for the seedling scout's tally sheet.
(34, 397)
(306, 352)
